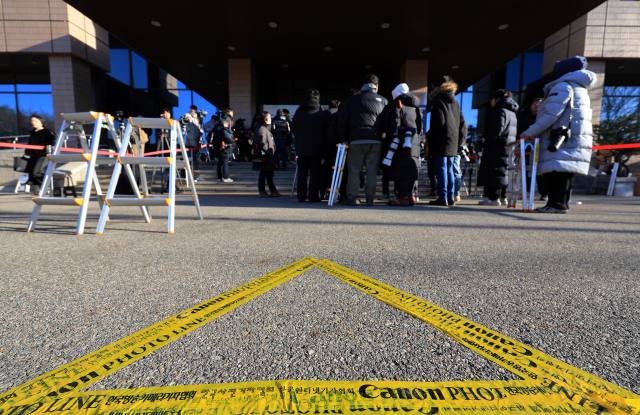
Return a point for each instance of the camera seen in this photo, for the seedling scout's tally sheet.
(185, 119)
(464, 153)
(119, 116)
(202, 114)
(557, 137)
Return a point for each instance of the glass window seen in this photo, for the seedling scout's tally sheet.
(7, 88)
(41, 104)
(8, 116)
(466, 103)
(140, 78)
(181, 85)
(184, 102)
(532, 67)
(33, 88)
(203, 104)
(513, 75)
(120, 65)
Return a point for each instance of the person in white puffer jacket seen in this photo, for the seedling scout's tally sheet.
(570, 78)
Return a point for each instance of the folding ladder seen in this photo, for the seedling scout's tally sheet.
(75, 121)
(611, 186)
(171, 162)
(338, 170)
(518, 173)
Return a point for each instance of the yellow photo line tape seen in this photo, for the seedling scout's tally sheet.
(516, 357)
(319, 397)
(87, 370)
(556, 387)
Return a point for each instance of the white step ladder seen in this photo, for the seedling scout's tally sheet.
(338, 170)
(151, 200)
(518, 173)
(75, 121)
(611, 186)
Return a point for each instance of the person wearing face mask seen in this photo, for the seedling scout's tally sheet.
(264, 155)
(38, 162)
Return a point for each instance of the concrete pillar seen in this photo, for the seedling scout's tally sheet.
(242, 89)
(70, 86)
(415, 73)
(595, 93)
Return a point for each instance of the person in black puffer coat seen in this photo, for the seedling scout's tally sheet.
(38, 162)
(405, 121)
(501, 130)
(330, 150)
(362, 120)
(263, 143)
(222, 141)
(310, 130)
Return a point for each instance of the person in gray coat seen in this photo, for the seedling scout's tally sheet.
(569, 85)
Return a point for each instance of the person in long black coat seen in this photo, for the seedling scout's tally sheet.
(38, 162)
(310, 130)
(501, 130)
(406, 116)
(264, 144)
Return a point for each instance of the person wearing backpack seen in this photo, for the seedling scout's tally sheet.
(403, 157)
(281, 129)
(564, 113)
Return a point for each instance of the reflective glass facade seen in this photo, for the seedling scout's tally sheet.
(18, 102)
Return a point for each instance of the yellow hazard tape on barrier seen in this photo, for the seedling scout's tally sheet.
(512, 355)
(82, 372)
(549, 385)
(317, 397)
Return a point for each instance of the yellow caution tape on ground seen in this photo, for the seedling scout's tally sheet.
(549, 385)
(86, 370)
(512, 355)
(318, 397)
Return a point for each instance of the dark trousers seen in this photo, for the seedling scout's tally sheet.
(495, 193)
(311, 166)
(268, 176)
(542, 187)
(433, 178)
(223, 167)
(404, 188)
(559, 185)
(386, 181)
(194, 157)
(281, 150)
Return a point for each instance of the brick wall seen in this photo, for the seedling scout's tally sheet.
(52, 26)
(242, 88)
(70, 85)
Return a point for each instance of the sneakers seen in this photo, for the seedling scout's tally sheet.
(489, 202)
(413, 200)
(400, 201)
(369, 202)
(229, 180)
(352, 202)
(276, 194)
(549, 209)
(219, 180)
(451, 202)
(438, 202)
(456, 198)
(504, 201)
(383, 197)
(264, 194)
(544, 198)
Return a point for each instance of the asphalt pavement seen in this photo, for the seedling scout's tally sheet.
(567, 285)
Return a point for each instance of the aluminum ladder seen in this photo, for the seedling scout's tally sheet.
(172, 162)
(518, 170)
(611, 186)
(338, 170)
(71, 122)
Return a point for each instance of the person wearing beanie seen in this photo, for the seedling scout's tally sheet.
(566, 104)
(447, 133)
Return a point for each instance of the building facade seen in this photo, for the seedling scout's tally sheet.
(608, 36)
